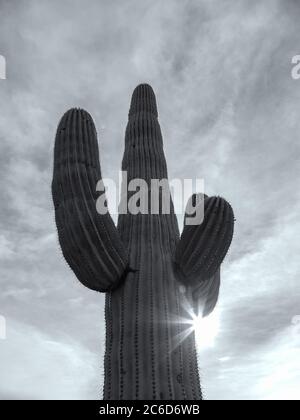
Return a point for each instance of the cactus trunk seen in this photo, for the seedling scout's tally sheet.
(144, 359)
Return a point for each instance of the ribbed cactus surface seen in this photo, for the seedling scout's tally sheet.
(149, 274)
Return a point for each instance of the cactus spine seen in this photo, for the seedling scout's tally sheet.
(143, 263)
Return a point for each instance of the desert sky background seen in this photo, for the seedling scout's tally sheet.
(229, 112)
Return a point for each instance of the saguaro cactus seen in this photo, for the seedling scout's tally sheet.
(147, 271)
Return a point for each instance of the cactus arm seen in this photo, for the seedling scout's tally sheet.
(201, 250)
(203, 247)
(89, 241)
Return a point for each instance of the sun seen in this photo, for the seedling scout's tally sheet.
(206, 330)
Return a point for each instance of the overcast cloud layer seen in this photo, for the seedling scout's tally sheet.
(229, 111)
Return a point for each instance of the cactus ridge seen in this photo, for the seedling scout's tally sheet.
(142, 263)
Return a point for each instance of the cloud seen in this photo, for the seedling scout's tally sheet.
(267, 371)
(228, 108)
(73, 367)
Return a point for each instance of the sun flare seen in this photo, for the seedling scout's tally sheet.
(206, 330)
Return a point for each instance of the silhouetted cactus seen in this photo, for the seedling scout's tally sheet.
(142, 264)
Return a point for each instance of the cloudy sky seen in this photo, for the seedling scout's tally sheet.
(229, 111)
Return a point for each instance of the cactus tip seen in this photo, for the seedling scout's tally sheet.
(143, 100)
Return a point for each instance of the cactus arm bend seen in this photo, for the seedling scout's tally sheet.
(204, 295)
(89, 241)
(201, 250)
